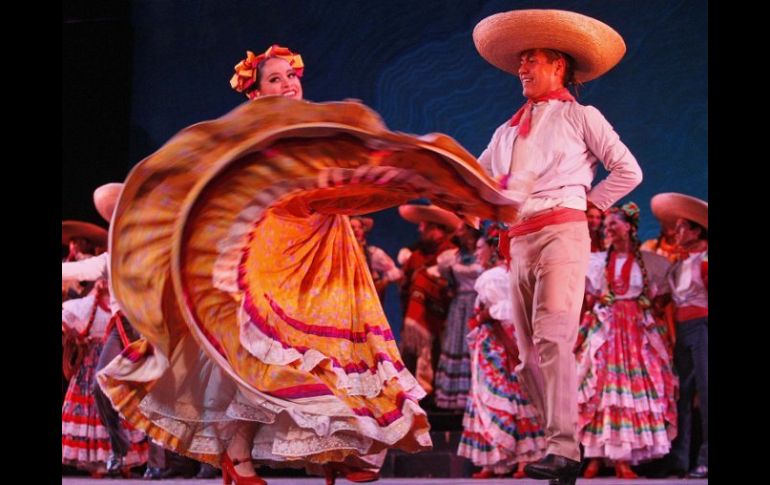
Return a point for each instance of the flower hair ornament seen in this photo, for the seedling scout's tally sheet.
(246, 71)
(491, 233)
(630, 212)
(495, 234)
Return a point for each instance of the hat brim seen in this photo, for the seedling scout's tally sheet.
(595, 46)
(106, 198)
(72, 229)
(429, 213)
(670, 206)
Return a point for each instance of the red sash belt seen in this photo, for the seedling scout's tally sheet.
(546, 218)
(537, 222)
(690, 312)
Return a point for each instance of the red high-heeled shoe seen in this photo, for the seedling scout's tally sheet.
(357, 475)
(520, 473)
(484, 474)
(229, 474)
(592, 470)
(623, 470)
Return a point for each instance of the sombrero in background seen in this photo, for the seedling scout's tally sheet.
(429, 213)
(72, 229)
(670, 206)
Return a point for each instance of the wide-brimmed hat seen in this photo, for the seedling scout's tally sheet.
(595, 46)
(72, 229)
(429, 213)
(367, 223)
(106, 198)
(670, 206)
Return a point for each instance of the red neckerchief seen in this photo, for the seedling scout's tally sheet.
(683, 254)
(620, 286)
(524, 115)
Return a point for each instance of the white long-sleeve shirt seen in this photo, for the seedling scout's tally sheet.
(657, 270)
(493, 288)
(383, 264)
(464, 275)
(687, 285)
(562, 151)
(91, 269)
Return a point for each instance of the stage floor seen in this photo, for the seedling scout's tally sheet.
(384, 481)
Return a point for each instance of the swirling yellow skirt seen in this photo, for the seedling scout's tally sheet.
(232, 255)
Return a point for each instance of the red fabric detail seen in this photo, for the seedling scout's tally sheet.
(80, 399)
(91, 444)
(117, 320)
(110, 324)
(302, 391)
(621, 285)
(89, 420)
(429, 302)
(99, 443)
(524, 114)
(504, 247)
(122, 332)
(689, 312)
(549, 218)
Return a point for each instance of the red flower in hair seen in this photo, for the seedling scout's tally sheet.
(630, 212)
(492, 231)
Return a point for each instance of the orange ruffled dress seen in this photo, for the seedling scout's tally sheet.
(233, 256)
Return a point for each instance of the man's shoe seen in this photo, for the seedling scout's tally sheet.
(173, 472)
(152, 473)
(207, 471)
(701, 471)
(114, 464)
(554, 467)
(562, 481)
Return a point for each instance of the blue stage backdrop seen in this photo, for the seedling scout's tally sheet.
(414, 62)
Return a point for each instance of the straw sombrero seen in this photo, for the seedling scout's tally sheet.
(429, 213)
(671, 206)
(72, 229)
(595, 46)
(106, 198)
